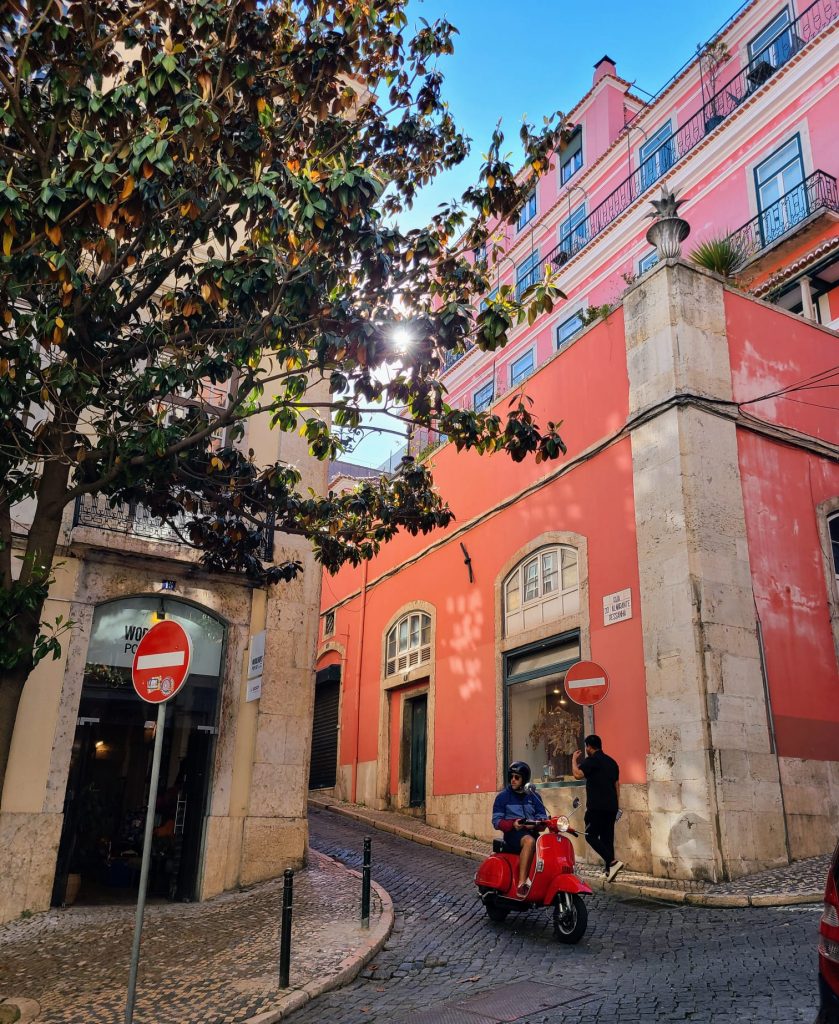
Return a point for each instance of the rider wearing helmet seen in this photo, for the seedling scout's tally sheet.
(514, 805)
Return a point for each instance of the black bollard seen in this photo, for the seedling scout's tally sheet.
(285, 928)
(365, 886)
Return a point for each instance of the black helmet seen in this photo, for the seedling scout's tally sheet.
(520, 768)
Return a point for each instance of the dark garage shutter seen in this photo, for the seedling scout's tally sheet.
(325, 729)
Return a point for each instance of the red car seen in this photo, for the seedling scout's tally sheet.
(829, 948)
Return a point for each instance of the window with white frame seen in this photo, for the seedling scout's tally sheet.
(482, 398)
(771, 48)
(568, 329)
(521, 368)
(543, 587)
(527, 273)
(572, 231)
(833, 531)
(528, 211)
(657, 155)
(648, 262)
(480, 253)
(408, 643)
(781, 193)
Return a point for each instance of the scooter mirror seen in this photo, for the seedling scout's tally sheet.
(562, 823)
(575, 803)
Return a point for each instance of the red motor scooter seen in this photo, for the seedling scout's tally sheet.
(553, 882)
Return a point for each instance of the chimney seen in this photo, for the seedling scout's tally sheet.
(605, 66)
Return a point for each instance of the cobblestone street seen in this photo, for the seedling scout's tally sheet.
(639, 961)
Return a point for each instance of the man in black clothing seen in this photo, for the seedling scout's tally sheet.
(601, 773)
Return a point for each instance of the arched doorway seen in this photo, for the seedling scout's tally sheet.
(107, 788)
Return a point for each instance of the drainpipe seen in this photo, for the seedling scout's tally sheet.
(361, 618)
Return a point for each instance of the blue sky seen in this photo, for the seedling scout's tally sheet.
(515, 59)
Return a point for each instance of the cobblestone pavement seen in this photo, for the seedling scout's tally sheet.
(640, 961)
(214, 962)
(798, 879)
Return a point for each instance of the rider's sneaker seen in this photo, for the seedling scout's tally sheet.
(614, 869)
(523, 890)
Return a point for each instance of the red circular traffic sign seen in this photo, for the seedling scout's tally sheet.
(161, 662)
(586, 683)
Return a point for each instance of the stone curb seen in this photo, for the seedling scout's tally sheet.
(628, 889)
(347, 969)
(28, 1009)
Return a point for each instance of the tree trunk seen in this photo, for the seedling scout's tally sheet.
(36, 570)
(11, 688)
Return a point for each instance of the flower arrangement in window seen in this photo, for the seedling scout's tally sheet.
(559, 729)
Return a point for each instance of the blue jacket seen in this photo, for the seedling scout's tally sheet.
(510, 805)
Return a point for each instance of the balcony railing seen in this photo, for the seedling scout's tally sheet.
(136, 520)
(725, 101)
(818, 192)
(453, 356)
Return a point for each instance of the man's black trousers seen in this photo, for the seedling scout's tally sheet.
(600, 833)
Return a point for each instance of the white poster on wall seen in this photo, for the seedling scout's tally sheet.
(617, 607)
(254, 689)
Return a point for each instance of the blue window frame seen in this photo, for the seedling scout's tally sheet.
(482, 398)
(657, 155)
(771, 48)
(479, 253)
(781, 193)
(487, 300)
(572, 231)
(568, 329)
(648, 262)
(527, 273)
(521, 368)
(568, 168)
(528, 211)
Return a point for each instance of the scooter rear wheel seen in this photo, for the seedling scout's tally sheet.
(496, 914)
(570, 919)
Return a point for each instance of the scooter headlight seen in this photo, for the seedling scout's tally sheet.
(562, 823)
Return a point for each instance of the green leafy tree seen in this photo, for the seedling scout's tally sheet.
(202, 193)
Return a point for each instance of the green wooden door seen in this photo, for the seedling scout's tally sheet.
(418, 710)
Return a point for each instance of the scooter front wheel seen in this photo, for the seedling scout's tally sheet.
(570, 917)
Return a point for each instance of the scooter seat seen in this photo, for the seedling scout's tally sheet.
(498, 846)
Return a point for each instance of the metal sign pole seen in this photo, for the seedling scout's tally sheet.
(144, 869)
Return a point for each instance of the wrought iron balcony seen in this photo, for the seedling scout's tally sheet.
(724, 102)
(136, 520)
(818, 192)
(453, 356)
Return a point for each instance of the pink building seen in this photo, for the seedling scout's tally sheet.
(750, 145)
(689, 540)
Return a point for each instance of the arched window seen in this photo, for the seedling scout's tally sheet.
(542, 587)
(408, 643)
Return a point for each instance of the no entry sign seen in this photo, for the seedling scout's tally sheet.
(161, 662)
(586, 683)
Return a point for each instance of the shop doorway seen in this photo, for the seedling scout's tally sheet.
(108, 781)
(323, 765)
